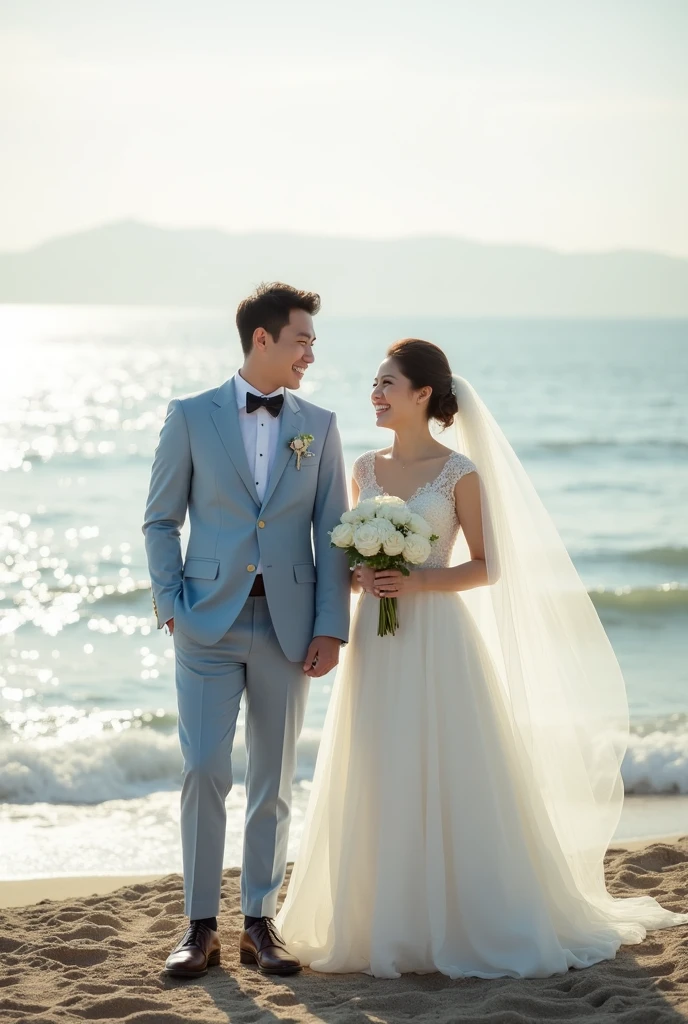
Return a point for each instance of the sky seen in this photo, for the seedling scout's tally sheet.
(561, 123)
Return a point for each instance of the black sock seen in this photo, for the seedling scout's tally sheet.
(209, 922)
(248, 921)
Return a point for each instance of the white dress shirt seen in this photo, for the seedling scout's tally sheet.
(260, 432)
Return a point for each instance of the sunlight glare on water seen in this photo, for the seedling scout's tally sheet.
(87, 704)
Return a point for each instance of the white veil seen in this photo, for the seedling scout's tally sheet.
(562, 684)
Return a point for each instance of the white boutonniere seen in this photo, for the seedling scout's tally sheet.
(300, 445)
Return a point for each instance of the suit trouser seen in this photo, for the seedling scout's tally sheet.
(210, 683)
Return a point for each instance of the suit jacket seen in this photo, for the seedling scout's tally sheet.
(200, 464)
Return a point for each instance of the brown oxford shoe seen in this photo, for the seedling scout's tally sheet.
(198, 950)
(263, 945)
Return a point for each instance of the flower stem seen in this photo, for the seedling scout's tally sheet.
(388, 621)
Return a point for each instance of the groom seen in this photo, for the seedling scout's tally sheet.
(253, 613)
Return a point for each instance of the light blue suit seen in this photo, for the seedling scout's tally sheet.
(228, 644)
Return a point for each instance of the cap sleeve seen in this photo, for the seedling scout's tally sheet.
(458, 466)
(364, 471)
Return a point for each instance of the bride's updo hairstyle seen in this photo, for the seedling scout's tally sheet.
(426, 366)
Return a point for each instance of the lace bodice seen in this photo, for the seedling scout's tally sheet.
(434, 501)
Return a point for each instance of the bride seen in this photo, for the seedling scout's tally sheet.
(468, 780)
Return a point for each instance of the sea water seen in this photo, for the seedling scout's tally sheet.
(89, 758)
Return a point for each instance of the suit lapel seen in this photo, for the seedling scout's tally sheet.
(291, 424)
(225, 414)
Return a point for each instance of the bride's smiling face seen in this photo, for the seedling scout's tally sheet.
(394, 400)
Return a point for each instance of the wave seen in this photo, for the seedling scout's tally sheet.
(632, 446)
(135, 762)
(118, 765)
(660, 600)
(674, 557)
(656, 762)
(659, 556)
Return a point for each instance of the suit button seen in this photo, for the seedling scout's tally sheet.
(250, 568)
(261, 524)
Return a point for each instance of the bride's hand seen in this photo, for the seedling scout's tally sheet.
(392, 583)
(365, 577)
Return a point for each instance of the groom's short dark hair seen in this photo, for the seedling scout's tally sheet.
(269, 307)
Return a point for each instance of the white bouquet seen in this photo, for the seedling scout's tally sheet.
(384, 533)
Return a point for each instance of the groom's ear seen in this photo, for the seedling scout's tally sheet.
(261, 338)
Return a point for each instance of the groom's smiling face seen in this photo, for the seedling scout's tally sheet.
(286, 358)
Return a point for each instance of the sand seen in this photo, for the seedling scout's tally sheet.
(34, 890)
(99, 957)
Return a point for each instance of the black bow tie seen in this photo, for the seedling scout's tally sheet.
(273, 405)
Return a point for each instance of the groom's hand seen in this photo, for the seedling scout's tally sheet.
(170, 626)
(323, 655)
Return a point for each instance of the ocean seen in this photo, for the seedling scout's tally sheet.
(89, 761)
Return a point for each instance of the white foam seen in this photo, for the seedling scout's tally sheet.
(78, 767)
(110, 766)
(89, 770)
(657, 762)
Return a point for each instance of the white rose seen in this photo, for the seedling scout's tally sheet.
(384, 527)
(297, 444)
(394, 544)
(350, 517)
(343, 535)
(417, 524)
(384, 512)
(365, 509)
(400, 515)
(416, 549)
(367, 540)
(389, 499)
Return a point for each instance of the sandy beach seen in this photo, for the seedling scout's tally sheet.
(76, 957)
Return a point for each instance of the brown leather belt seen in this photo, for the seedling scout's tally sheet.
(258, 588)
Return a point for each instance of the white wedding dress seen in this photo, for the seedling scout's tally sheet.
(427, 844)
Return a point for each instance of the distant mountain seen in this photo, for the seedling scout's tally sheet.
(138, 264)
